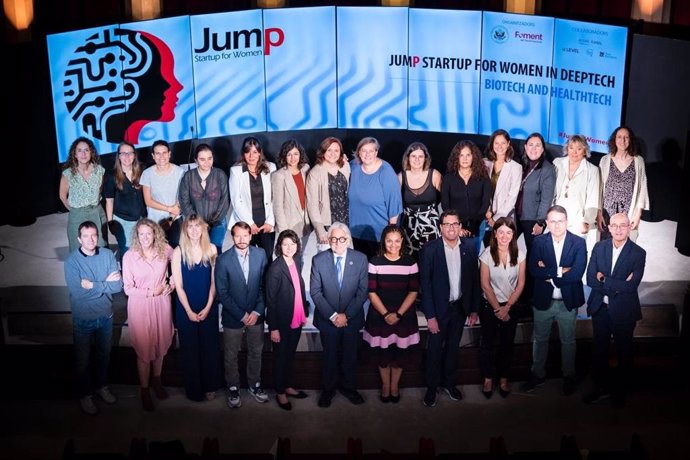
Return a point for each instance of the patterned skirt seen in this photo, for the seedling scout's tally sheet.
(420, 225)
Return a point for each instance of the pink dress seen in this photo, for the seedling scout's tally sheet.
(149, 319)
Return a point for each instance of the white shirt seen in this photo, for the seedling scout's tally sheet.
(454, 269)
(558, 249)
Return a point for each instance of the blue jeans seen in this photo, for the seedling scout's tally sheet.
(122, 231)
(101, 331)
(217, 234)
(542, 331)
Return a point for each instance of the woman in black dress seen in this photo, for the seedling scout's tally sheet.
(391, 325)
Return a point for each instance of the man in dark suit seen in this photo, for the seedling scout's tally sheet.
(557, 262)
(614, 274)
(449, 276)
(338, 288)
(239, 284)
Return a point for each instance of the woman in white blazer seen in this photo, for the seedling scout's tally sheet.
(505, 174)
(331, 172)
(624, 188)
(250, 194)
(288, 185)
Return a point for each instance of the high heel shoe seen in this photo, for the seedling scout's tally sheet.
(284, 406)
(395, 398)
(158, 388)
(384, 399)
(488, 393)
(503, 393)
(146, 401)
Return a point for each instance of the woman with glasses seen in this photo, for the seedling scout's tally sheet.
(391, 324)
(80, 190)
(160, 183)
(124, 197)
(624, 184)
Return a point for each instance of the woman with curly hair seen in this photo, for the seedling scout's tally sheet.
(466, 187)
(80, 190)
(149, 309)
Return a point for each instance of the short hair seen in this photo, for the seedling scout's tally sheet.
(387, 230)
(365, 141)
(324, 146)
(579, 138)
(200, 148)
(160, 142)
(241, 224)
(339, 226)
(633, 147)
(287, 234)
(490, 154)
(286, 147)
(87, 224)
(557, 208)
(448, 212)
(411, 148)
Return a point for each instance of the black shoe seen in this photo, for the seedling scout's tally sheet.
(453, 393)
(353, 396)
(325, 398)
(299, 395)
(488, 393)
(395, 398)
(385, 399)
(569, 386)
(286, 406)
(430, 397)
(596, 396)
(532, 382)
(504, 393)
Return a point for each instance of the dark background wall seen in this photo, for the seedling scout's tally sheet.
(656, 102)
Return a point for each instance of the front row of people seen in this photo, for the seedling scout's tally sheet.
(448, 281)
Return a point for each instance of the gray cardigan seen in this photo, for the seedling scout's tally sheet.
(538, 191)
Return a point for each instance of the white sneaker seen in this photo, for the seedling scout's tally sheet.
(106, 395)
(87, 405)
(258, 393)
(233, 398)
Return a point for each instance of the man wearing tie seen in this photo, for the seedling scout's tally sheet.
(449, 278)
(614, 274)
(557, 262)
(338, 288)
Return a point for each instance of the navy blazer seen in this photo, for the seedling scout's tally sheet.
(349, 299)
(237, 296)
(624, 302)
(280, 295)
(574, 256)
(435, 286)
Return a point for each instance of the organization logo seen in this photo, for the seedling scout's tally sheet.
(118, 81)
(499, 34)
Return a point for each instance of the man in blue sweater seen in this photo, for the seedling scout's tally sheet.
(92, 277)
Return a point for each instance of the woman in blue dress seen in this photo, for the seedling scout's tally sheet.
(196, 314)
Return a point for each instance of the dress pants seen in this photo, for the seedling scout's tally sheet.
(232, 340)
(491, 327)
(542, 332)
(284, 357)
(339, 357)
(604, 328)
(442, 348)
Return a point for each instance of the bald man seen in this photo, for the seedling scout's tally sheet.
(614, 274)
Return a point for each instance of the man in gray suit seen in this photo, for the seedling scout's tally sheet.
(240, 289)
(338, 288)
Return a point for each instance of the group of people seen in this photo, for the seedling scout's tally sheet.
(403, 242)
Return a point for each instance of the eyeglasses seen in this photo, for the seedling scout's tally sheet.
(451, 224)
(619, 226)
(335, 239)
(126, 153)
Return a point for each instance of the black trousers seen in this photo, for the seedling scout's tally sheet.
(265, 242)
(442, 348)
(604, 328)
(505, 330)
(284, 357)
